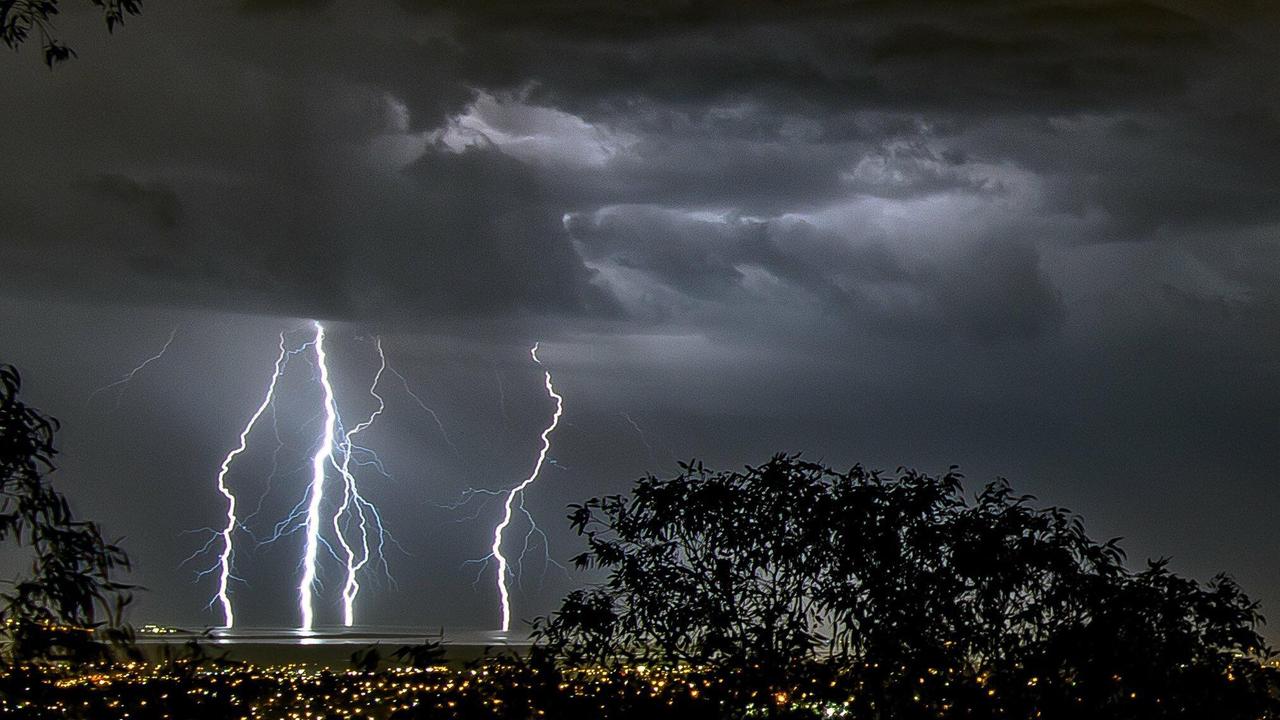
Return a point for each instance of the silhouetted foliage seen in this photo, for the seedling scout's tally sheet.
(420, 657)
(899, 597)
(366, 660)
(20, 18)
(69, 599)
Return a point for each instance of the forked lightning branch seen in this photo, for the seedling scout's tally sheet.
(352, 531)
(356, 522)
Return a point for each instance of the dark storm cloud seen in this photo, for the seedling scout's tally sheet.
(988, 291)
(753, 109)
(988, 57)
(155, 201)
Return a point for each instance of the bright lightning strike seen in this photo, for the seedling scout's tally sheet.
(353, 502)
(336, 447)
(225, 557)
(509, 506)
(322, 458)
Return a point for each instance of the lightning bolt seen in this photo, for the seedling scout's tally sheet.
(225, 557)
(125, 379)
(353, 502)
(322, 458)
(509, 506)
(336, 448)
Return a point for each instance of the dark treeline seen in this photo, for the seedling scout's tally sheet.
(784, 590)
(900, 597)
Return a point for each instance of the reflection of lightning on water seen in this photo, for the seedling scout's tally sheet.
(509, 506)
(124, 380)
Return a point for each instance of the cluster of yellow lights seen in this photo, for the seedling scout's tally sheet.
(152, 629)
(305, 692)
(48, 625)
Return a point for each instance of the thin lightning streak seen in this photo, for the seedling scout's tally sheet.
(466, 498)
(547, 560)
(294, 522)
(275, 454)
(528, 546)
(271, 478)
(128, 377)
(351, 496)
(371, 460)
(213, 538)
(639, 431)
(322, 458)
(287, 526)
(508, 506)
(275, 462)
(383, 537)
(502, 396)
(444, 433)
(224, 559)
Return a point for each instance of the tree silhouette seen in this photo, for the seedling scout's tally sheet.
(20, 18)
(425, 655)
(69, 597)
(899, 597)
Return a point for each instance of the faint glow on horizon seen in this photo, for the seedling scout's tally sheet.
(508, 508)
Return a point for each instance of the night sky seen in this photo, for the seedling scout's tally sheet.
(1034, 239)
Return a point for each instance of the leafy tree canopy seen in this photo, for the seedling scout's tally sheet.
(900, 597)
(19, 19)
(54, 612)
